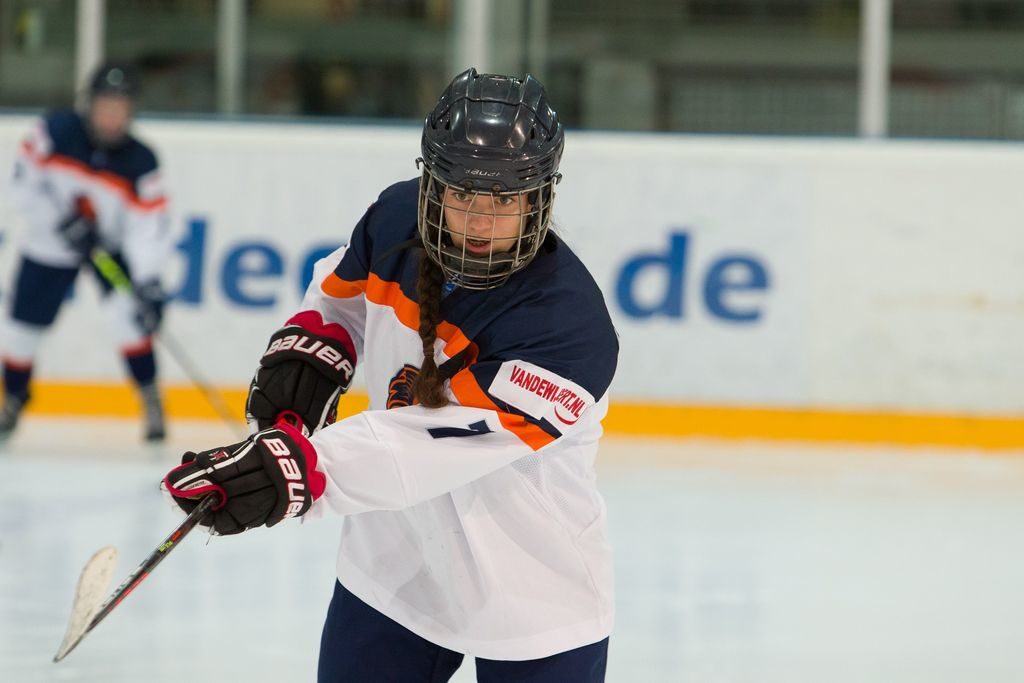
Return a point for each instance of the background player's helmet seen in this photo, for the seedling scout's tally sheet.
(489, 135)
(115, 78)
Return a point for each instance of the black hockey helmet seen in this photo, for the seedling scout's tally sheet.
(496, 136)
(115, 78)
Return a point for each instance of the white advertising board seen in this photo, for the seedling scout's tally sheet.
(778, 272)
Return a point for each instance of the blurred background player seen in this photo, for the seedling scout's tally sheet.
(87, 188)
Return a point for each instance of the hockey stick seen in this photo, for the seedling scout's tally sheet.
(86, 612)
(114, 274)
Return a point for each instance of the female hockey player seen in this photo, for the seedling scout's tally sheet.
(471, 520)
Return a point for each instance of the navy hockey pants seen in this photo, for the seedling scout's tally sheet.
(361, 645)
(39, 290)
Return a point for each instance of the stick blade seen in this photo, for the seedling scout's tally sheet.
(93, 585)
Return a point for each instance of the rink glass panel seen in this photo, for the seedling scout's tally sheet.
(37, 53)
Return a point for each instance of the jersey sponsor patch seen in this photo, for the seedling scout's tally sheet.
(540, 393)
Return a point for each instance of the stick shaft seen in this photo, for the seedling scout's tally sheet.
(118, 279)
(212, 396)
(155, 558)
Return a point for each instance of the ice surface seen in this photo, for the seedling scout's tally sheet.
(735, 562)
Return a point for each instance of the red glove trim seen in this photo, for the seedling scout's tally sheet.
(313, 322)
(315, 478)
(196, 492)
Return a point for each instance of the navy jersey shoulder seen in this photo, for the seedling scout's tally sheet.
(385, 238)
(392, 222)
(67, 130)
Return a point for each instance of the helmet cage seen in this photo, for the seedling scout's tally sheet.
(482, 271)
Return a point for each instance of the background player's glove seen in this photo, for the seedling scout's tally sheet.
(79, 228)
(306, 368)
(265, 479)
(149, 306)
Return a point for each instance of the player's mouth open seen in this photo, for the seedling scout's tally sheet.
(478, 246)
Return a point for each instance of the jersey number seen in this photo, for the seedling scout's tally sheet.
(474, 429)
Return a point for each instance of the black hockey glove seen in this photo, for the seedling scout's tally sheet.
(79, 229)
(149, 306)
(263, 480)
(306, 368)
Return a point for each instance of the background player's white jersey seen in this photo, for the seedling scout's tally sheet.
(57, 164)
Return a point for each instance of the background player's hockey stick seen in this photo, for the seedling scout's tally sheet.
(114, 274)
(86, 612)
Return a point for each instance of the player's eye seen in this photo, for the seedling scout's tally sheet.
(506, 200)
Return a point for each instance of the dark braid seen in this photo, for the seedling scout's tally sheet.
(429, 386)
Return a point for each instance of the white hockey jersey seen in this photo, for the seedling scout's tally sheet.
(477, 526)
(57, 163)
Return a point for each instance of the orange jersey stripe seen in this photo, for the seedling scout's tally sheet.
(471, 395)
(333, 285)
(456, 342)
(390, 294)
(407, 311)
(109, 180)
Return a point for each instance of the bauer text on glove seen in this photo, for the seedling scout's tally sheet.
(263, 480)
(305, 369)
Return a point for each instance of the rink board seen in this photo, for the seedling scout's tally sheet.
(785, 288)
(624, 418)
